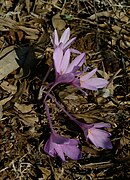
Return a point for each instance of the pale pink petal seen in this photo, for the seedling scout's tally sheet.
(65, 36)
(100, 138)
(69, 43)
(72, 152)
(59, 151)
(87, 85)
(56, 138)
(48, 148)
(88, 75)
(65, 61)
(58, 145)
(55, 38)
(82, 59)
(72, 50)
(72, 142)
(78, 61)
(102, 125)
(57, 56)
(94, 83)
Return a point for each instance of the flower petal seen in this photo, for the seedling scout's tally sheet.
(100, 138)
(88, 75)
(102, 125)
(57, 56)
(94, 83)
(56, 138)
(78, 61)
(68, 44)
(58, 145)
(65, 36)
(72, 142)
(65, 61)
(59, 151)
(49, 149)
(72, 151)
(72, 50)
(55, 38)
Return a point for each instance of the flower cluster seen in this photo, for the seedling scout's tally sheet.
(69, 71)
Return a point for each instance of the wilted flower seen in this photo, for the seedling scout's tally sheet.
(99, 137)
(65, 71)
(58, 146)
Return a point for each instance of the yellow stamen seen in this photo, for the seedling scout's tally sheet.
(89, 131)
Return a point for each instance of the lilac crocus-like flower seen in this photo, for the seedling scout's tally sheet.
(64, 40)
(58, 146)
(99, 137)
(66, 71)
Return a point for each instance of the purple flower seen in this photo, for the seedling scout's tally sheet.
(58, 146)
(66, 71)
(64, 40)
(91, 83)
(99, 137)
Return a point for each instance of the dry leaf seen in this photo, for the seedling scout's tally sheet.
(5, 100)
(23, 108)
(29, 30)
(8, 61)
(119, 30)
(28, 120)
(8, 87)
(8, 22)
(57, 22)
(104, 13)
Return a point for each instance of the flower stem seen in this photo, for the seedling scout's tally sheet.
(47, 73)
(48, 116)
(48, 92)
(63, 109)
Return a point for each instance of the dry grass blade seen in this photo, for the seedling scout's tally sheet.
(1, 114)
(28, 5)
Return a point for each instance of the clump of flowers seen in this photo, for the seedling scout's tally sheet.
(68, 71)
